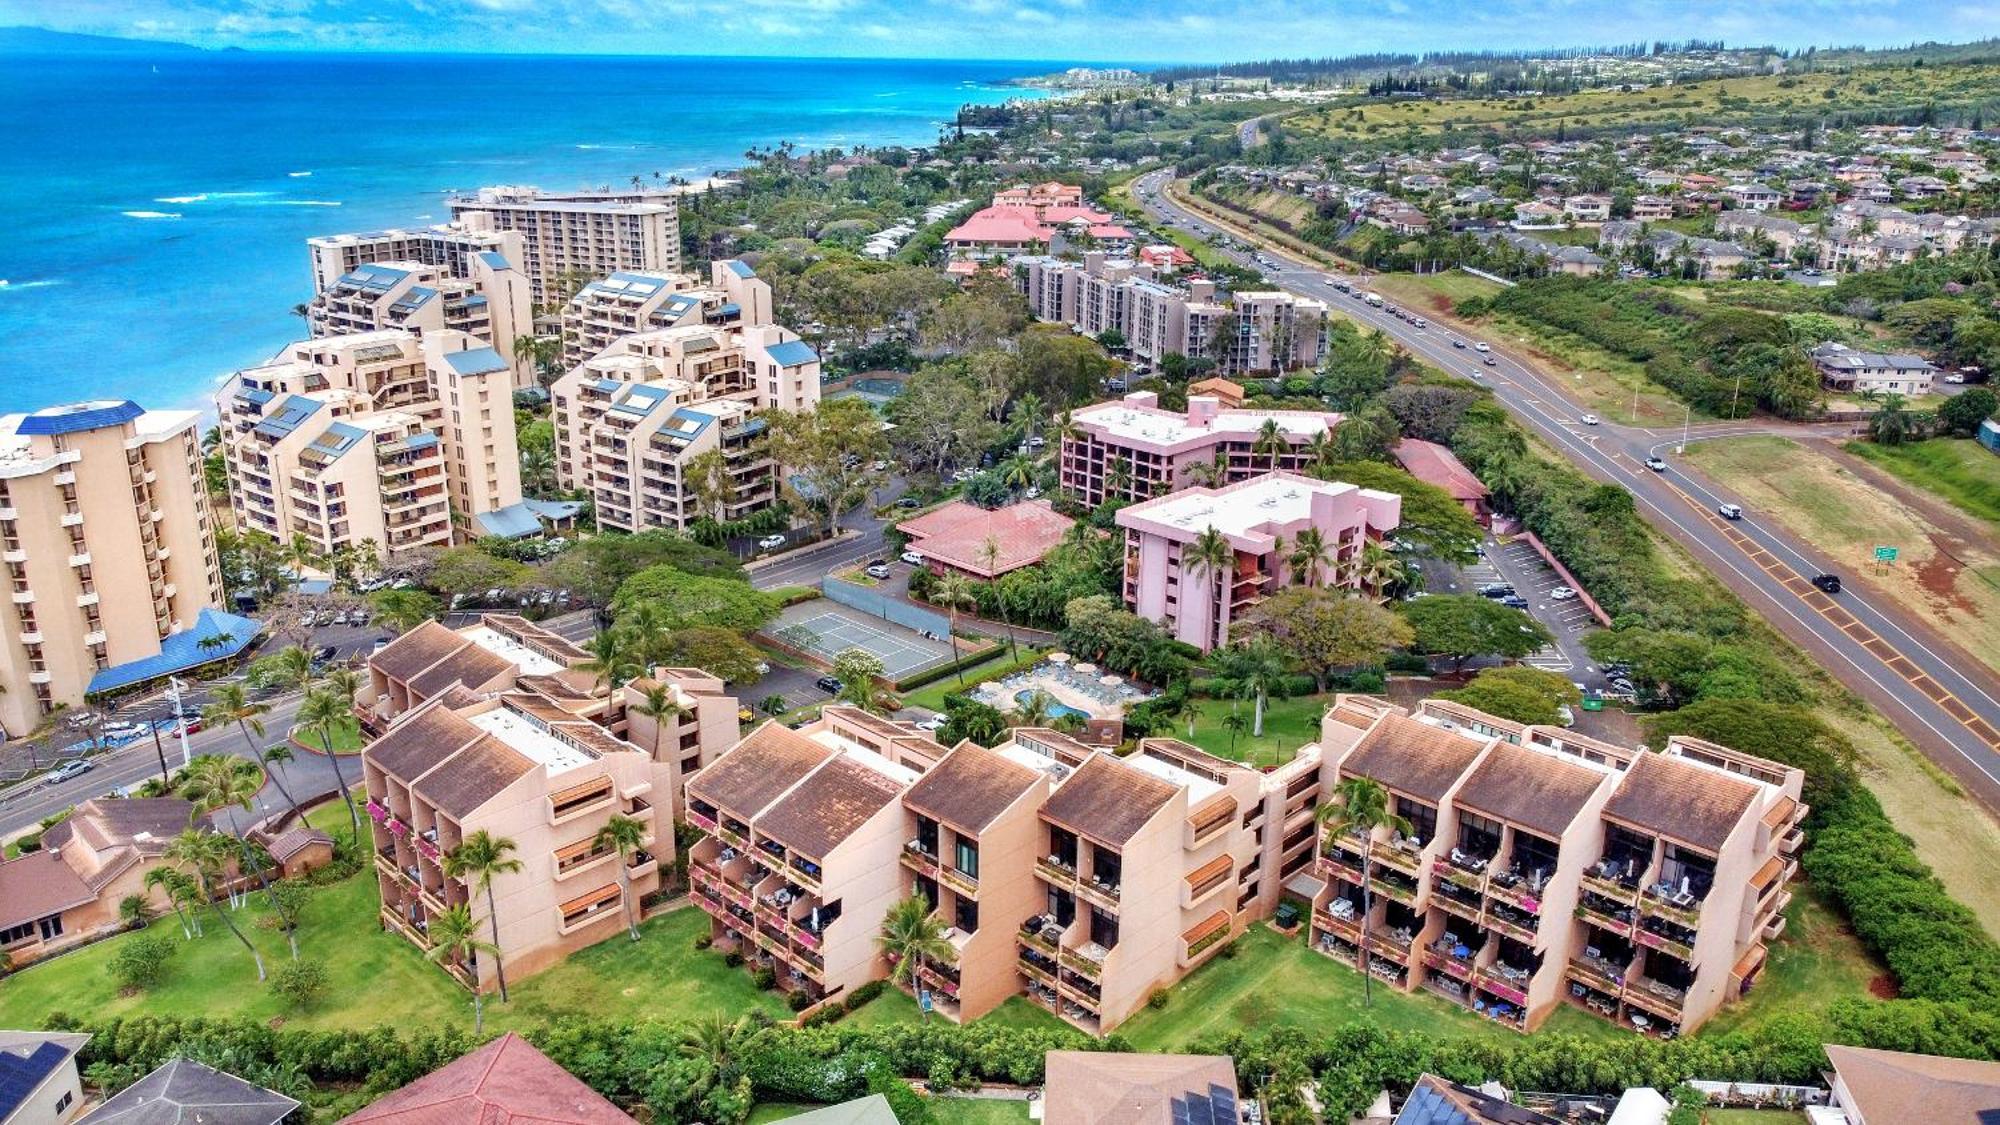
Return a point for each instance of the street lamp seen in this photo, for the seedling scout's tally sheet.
(174, 689)
(1685, 419)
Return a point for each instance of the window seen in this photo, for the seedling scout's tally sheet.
(62, 1103)
(966, 915)
(966, 857)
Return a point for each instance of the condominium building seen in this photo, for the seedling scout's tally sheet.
(568, 237)
(674, 371)
(379, 437)
(1848, 371)
(491, 305)
(1261, 518)
(109, 550)
(1034, 220)
(1543, 867)
(498, 726)
(1244, 331)
(1130, 449)
(1081, 878)
(450, 247)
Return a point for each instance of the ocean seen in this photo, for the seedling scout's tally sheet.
(155, 207)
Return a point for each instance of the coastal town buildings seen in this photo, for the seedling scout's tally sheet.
(382, 438)
(1261, 518)
(1034, 220)
(571, 237)
(1084, 879)
(499, 727)
(1131, 449)
(451, 248)
(490, 305)
(1243, 331)
(954, 538)
(675, 371)
(1543, 867)
(39, 1080)
(109, 548)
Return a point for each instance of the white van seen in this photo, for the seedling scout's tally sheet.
(1373, 299)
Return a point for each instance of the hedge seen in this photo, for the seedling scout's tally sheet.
(970, 661)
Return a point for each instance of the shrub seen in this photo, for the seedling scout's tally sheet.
(141, 962)
(764, 977)
(798, 1000)
(704, 941)
(1158, 999)
(864, 994)
(301, 982)
(732, 959)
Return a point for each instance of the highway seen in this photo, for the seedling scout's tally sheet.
(1941, 701)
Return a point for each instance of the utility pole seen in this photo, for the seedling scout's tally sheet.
(160, 751)
(1685, 420)
(174, 689)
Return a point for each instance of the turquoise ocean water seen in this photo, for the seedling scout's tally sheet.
(156, 207)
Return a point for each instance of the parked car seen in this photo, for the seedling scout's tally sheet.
(877, 570)
(1496, 590)
(828, 684)
(908, 502)
(1656, 464)
(911, 557)
(1561, 594)
(1729, 511)
(1514, 601)
(66, 771)
(770, 542)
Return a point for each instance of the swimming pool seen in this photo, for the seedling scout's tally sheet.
(1056, 709)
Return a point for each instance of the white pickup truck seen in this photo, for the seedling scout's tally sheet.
(1373, 299)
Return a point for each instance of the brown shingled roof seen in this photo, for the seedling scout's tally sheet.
(1680, 800)
(472, 777)
(505, 1082)
(1110, 1088)
(1897, 1086)
(1413, 757)
(1539, 792)
(970, 787)
(421, 740)
(822, 811)
(1107, 800)
(758, 770)
(147, 823)
(37, 885)
(417, 650)
(471, 666)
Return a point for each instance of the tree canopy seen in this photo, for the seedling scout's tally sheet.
(1517, 692)
(1462, 626)
(679, 600)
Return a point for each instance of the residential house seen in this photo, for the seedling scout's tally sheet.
(983, 543)
(182, 1090)
(1871, 1087)
(1588, 208)
(1846, 370)
(1751, 197)
(1122, 1088)
(38, 1077)
(69, 891)
(1435, 464)
(507, 1080)
(1651, 208)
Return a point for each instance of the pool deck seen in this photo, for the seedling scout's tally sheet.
(999, 694)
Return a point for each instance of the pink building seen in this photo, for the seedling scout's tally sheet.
(1025, 220)
(1130, 449)
(1262, 519)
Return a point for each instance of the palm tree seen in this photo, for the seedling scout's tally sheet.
(1234, 724)
(1320, 449)
(1017, 471)
(660, 705)
(275, 757)
(322, 711)
(609, 660)
(625, 836)
(1183, 706)
(213, 781)
(455, 940)
(1361, 805)
(912, 933)
(402, 610)
(1377, 568)
(1260, 670)
(1311, 555)
(989, 556)
(204, 854)
(1270, 442)
(480, 857)
(715, 1039)
(170, 881)
(231, 704)
(1212, 555)
(1028, 408)
(1034, 711)
(294, 665)
(1117, 478)
(954, 592)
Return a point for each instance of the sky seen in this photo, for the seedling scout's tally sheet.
(1076, 30)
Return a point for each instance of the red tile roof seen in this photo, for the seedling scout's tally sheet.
(506, 1082)
(956, 534)
(1434, 464)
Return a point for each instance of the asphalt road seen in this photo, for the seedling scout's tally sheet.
(1942, 702)
(308, 775)
(808, 566)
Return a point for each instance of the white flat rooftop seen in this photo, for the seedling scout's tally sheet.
(1167, 427)
(1198, 788)
(530, 739)
(1239, 508)
(530, 662)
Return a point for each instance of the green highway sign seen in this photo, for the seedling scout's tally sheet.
(1885, 554)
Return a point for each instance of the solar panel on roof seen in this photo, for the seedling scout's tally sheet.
(21, 1074)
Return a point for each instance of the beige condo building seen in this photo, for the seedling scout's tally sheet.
(570, 235)
(380, 437)
(1543, 867)
(109, 550)
(1077, 877)
(671, 370)
(451, 247)
(491, 305)
(499, 727)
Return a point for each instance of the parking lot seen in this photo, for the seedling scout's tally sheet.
(1533, 580)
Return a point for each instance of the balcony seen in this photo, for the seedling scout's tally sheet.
(1346, 926)
(1598, 973)
(1056, 871)
(1043, 934)
(1100, 894)
(1507, 983)
(1609, 878)
(1085, 960)
(1405, 856)
(1443, 957)
(1394, 945)
(583, 910)
(918, 860)
(1394, 890)
(1679, 907)
(1339, 864)
(1205, 935)
(1206, 880)
(958, 881)
(1656, 997)
(592, 796)
(1505, 920)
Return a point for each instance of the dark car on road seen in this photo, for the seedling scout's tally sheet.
(1829, 583)
(828, 684)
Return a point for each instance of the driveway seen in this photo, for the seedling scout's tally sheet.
(1519, 566)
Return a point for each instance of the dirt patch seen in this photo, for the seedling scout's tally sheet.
(1441, 305)
(1937, 576)
(1882, 986)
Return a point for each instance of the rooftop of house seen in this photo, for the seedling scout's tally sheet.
(1436, 1101)
(758, 770)
(1534, 788)
(957, 534)
(1118, 1088)
(970, 787)
(505, 1082)
(183, 1091)
(1108, 800)
(1434, 464)
(146, 823)
(830, 804)
(1412, 756)
(1889, 1085)
(1137, 417)
(28, 1059)
(38, 885)
(1244, 511)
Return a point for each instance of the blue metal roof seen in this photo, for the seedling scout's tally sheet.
(22, 1075)
(518, 521)
(641, 399)
(740, 268)
(338, 438)
(289, 415)
(257, 395)
(475, 361)
(495, 259)
(730, 308)
(79, 417)
(183, 650)
(791, 353)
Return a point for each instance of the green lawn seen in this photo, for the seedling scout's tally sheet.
(931, 696)
(1817, 961)
(1957, 469)
(1288, 725)
(346, 737)
(969, 1111)
(1750, 1117)
(1275, 981)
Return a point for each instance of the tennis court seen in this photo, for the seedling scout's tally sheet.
(826, 630)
